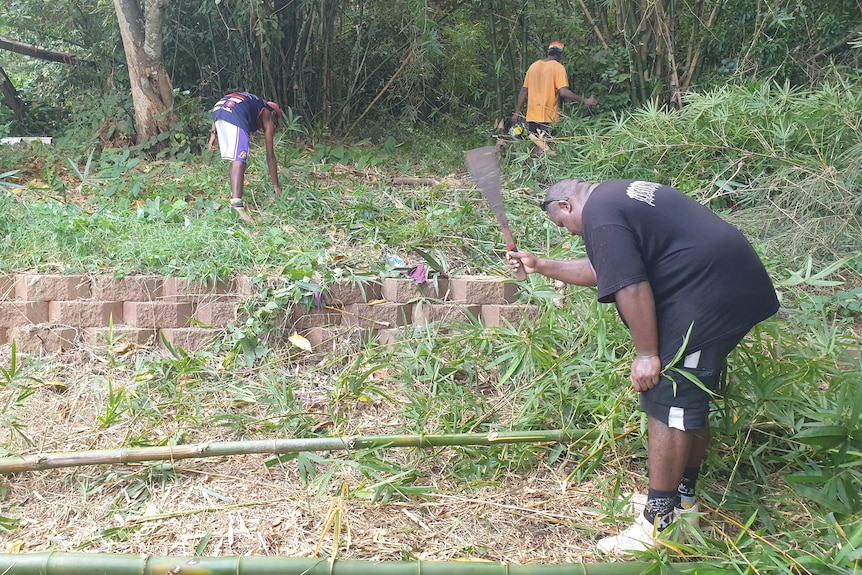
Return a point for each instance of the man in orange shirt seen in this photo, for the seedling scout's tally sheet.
(545, 83)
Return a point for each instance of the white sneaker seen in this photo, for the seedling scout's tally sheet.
(690, 514)
(640, 536)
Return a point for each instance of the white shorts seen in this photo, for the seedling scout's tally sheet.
(232, 141)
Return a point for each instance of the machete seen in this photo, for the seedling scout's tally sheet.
(485, 169)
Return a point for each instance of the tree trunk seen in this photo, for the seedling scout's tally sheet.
(10, 96)
(152, 93)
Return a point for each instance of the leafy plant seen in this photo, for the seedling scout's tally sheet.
(6, 185)
(15, 391)
(154, 210)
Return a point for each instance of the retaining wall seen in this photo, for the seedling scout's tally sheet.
(51, 313)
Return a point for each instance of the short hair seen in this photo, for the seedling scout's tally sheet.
(560, 191)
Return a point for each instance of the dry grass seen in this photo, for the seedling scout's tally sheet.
(244, 507)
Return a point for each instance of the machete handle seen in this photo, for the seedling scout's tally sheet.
(520, 275)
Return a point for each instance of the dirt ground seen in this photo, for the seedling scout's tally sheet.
(237, 505)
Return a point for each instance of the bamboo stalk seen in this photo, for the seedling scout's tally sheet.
(403, 65)
(277, 446)
(51, 563)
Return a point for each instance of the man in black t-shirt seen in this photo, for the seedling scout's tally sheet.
(675, 270)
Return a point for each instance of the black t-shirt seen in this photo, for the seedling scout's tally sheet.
(701, 269)
(240, 109)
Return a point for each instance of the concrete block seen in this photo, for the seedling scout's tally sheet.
(389, 336)
(378, 316)
(177, 289)
(483, 290)
(14, 313)
(51, 287)
(43, 338)
(85, 313)
(128, 288)
(502, 315)
(157, 314)
(323, 338)
(403, 290)
(190, 338)
(244, 286)
(425, 312)
(344, 293)
(301, 320)
(216, 313)
(7, 286)
(119, 334)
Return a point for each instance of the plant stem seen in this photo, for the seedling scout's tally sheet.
(87, 563)
(17, 464)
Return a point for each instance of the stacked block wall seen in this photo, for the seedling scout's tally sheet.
(51, 312)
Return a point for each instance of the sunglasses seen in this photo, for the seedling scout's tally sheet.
(544, 205)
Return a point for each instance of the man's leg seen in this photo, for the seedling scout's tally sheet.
(237, 180)
(672, 455)
(688, 484)
(233, 143)
(675, 457)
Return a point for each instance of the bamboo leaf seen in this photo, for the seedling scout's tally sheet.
(202, 544)
(823, 436)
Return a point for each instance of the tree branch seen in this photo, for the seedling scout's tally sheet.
(837, 45)
(7, 43)
(10, 96)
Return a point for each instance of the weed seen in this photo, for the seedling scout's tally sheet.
(14, 391)
(6, 183)
(116, 406)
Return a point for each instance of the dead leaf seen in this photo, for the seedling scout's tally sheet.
(125, 347)
(322, 427)
(299, 341)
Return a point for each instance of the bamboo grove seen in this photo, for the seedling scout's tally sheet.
(340, 65)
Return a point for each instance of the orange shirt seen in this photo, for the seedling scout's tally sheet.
(544, 78)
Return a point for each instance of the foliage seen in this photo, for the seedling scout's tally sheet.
(790, 154)
(410, 64)
(14, 391)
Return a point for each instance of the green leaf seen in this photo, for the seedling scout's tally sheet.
(202, 545)
(823, 436)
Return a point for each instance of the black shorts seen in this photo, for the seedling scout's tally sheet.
(678, 402)
(543, 131)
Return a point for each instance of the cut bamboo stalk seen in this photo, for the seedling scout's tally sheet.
(277, 446)
(49, 563)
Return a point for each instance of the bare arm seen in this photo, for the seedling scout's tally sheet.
(271, 162)
(211, 144)
(522, 98)
(578, 272)
(637, 306)
(567, 94)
